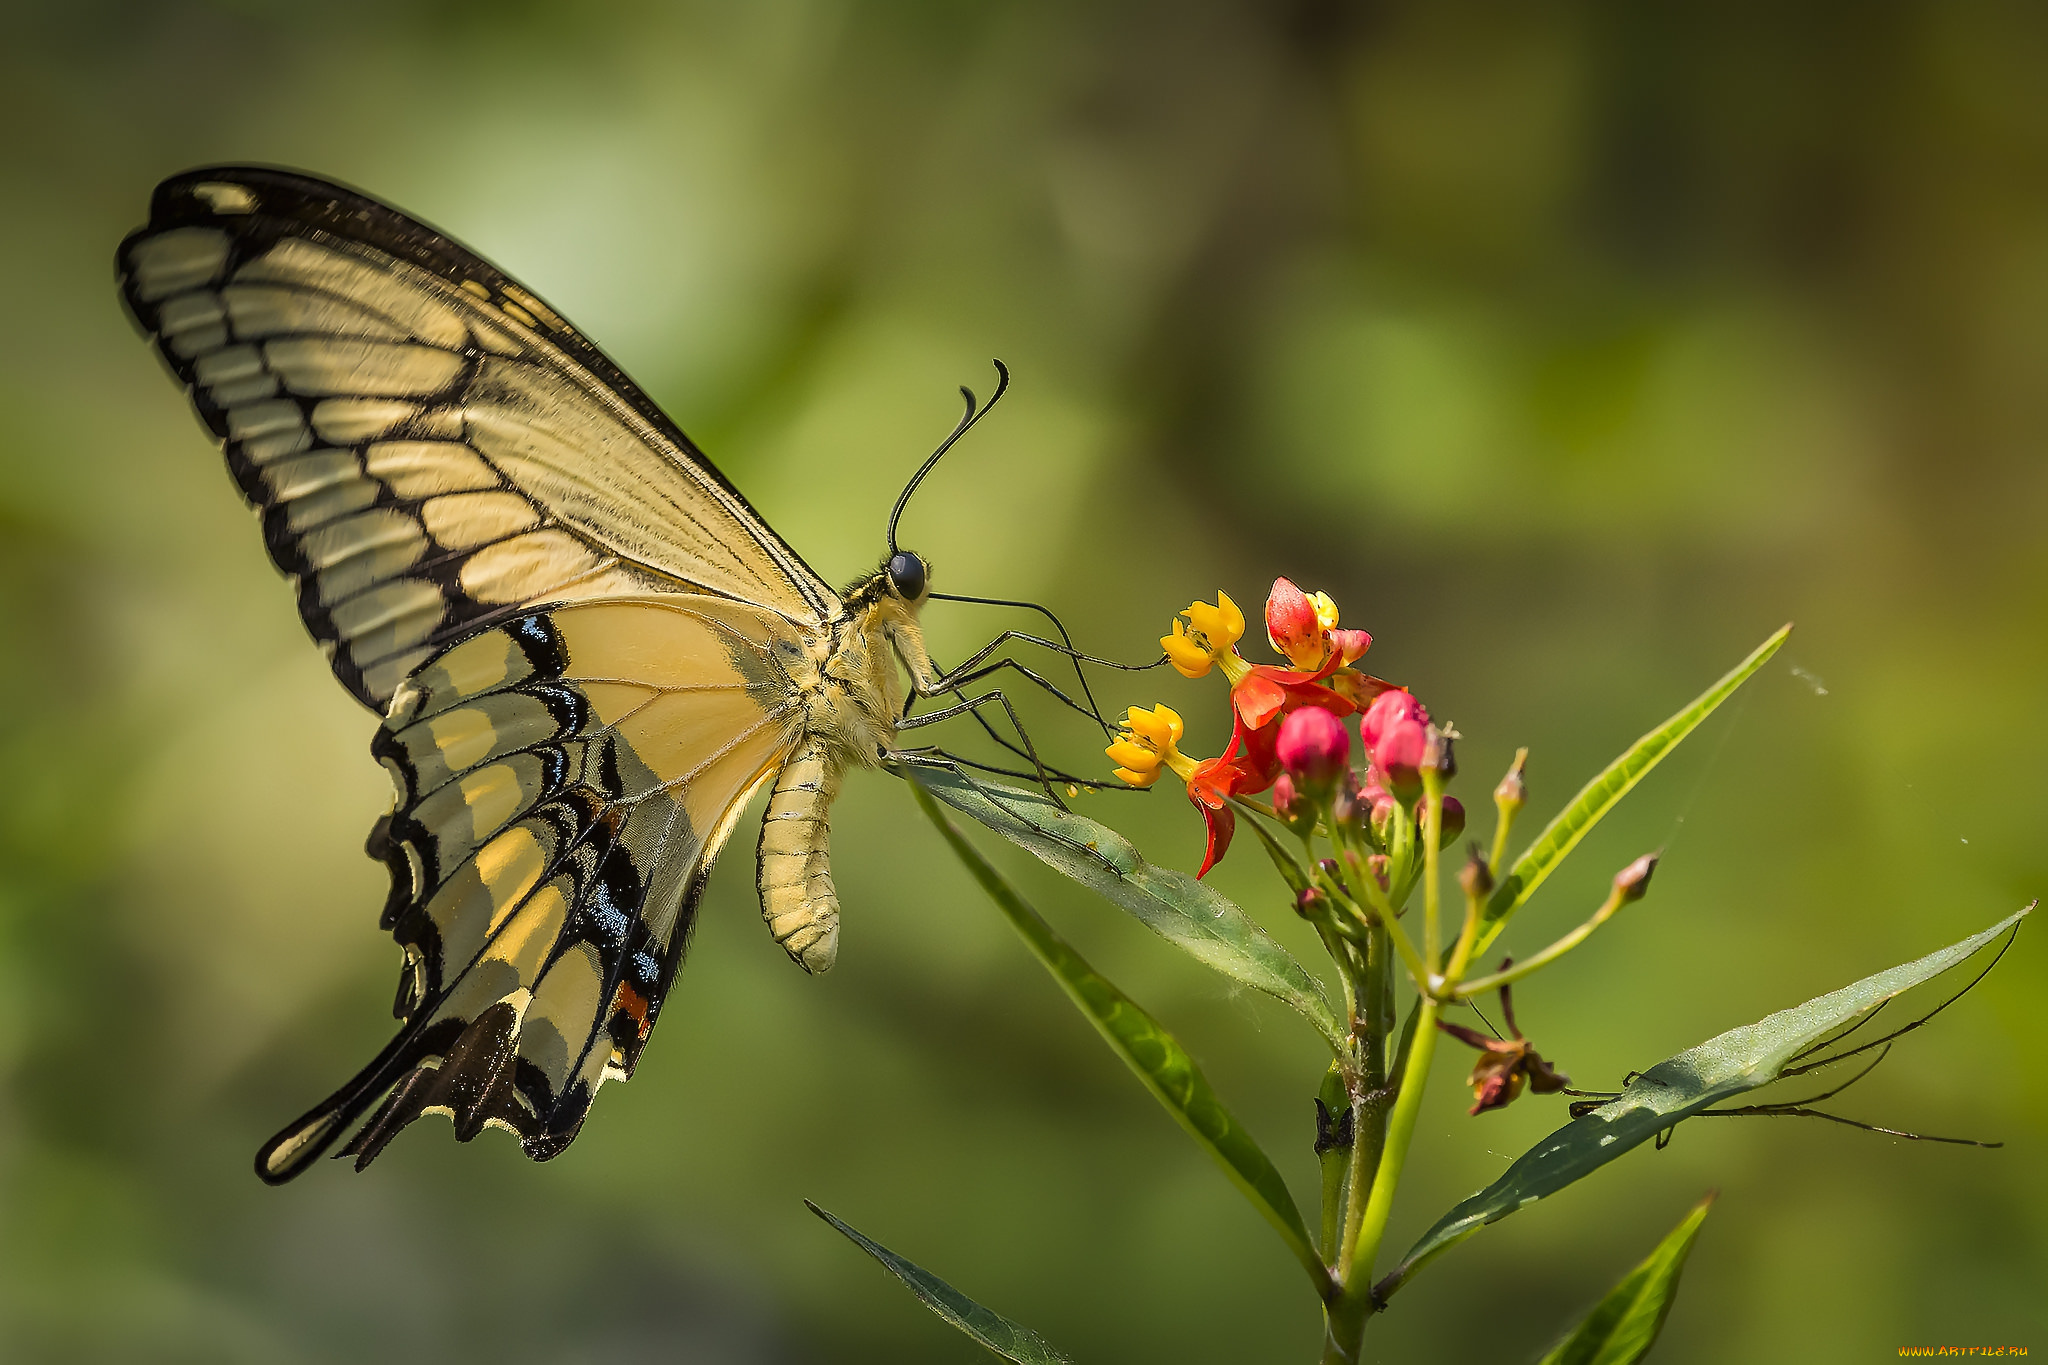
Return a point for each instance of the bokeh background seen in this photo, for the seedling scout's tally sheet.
(1572, 348)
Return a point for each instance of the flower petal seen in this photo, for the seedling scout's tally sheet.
(1136, 757)
(1349, 644)
(1188, 657)
(1258, 698)
(1231, 618)
(1292, 627)
(1222, 823)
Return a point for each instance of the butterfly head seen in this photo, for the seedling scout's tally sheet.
(909, 576)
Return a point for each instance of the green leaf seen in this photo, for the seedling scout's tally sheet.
(1623, 1326)
(1178, 908)
(1603, 793)
(1739, 1060)
(986, 1326)
(1155, 1055)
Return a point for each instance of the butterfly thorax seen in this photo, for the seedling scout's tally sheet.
(861, 691)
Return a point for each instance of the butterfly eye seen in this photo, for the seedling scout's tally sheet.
(906, 575)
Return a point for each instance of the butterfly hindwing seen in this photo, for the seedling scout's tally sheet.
(564, 780)
(431, 447)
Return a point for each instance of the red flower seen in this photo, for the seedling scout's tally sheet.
(1211, 785)
(1304, 628)
(1292, 625)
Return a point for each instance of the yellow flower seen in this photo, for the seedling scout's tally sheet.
(1206, 639)
(1147, 744)
(1326, 610)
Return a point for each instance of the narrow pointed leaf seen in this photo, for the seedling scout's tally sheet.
(1675, 1089)
(985, 1325)
(1153, 1054)
(1623, 1326)
(1604, 792)
(1177, 907)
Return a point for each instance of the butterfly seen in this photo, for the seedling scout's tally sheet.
(585, 649)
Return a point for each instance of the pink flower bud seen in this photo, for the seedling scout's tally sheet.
(1395, 729)
(1453, 822)
(1292, 626)
(1286, 800)
(1314, 748)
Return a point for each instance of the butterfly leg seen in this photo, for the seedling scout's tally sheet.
(972, 705)
(928, 689)
(963, 676)
(971, 668)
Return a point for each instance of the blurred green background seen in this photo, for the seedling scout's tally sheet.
(1573, 349)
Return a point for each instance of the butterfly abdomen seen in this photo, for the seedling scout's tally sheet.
(793, 867)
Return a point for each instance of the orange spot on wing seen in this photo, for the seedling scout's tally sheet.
(634, 1004)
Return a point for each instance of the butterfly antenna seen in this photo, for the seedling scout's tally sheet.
(967, 420)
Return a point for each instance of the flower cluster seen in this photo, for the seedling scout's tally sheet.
(1264, 699)
(1355, 762)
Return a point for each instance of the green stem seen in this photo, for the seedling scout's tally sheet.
(1483, 984)
(1432, 827)
(1378, 995)
(1354, 1305)
(1360, 1255)
(1383, 912)
(1335, 1095)
(1475, 907)
(1390, 923)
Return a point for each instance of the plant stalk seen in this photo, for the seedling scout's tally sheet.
(1432, 826)
(1483, 984)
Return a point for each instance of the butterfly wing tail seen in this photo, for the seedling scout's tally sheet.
(305, 1139)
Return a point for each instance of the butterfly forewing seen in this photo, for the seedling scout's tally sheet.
(431, 447)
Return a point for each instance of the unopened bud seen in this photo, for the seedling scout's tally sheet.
(1285, 797)
(1309, 902)
(1632, 881)
(1384, 813)
(1314, 747)
(1438, 752)
(1477, 877)
(1346, 805)
(1513, 790)
(1328, 867)
(1395, 730)
(1377, 865)
(1451, 823)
